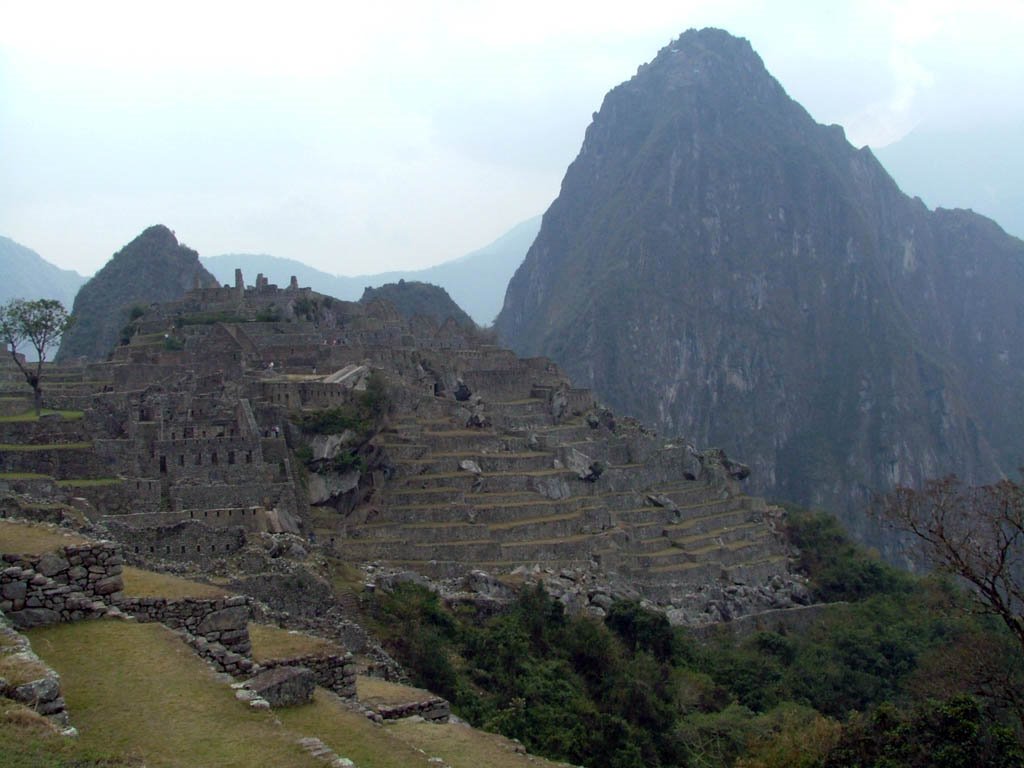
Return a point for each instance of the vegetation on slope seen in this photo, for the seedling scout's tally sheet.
(869, 683)
(412, 298)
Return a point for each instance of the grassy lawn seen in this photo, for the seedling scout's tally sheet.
(270, 642)
(23, 476)
(89, 482)
(140, 691)
(33, 447)
(31, 539)
(27, 740)
(463, 747)
(140, 583)
(30, 415)
(373, 691)
(351, 735)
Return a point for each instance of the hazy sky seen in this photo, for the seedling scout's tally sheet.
(386, 135)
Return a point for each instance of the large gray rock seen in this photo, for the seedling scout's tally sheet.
(324, 487)
(34, 617)
(224, 620)
(284, 686)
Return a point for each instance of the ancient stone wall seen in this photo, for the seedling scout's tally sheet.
(333, 672)
(188, 540)
(68, 584)
(217, 629)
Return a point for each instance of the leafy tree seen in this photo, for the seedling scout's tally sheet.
(41, 324)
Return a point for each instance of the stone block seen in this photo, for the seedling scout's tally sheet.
(34, 617)
(284, 686)
(51, 564)
(15, 590)
(236, 617)
(108, 585)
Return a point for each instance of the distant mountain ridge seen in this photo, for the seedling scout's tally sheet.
(27, 275)
(475, 281)
(721, 265)
(153, 267)
(980, 169)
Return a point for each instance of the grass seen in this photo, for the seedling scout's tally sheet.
(351, 735)
(30, 415)
(374, 691)
(88, 482)
(29, 740)
(19, 670)
(32, 447)
(140, 583)
(23, 476)
(270, 642)
(463, 747)
(140, 691)
(33, 539)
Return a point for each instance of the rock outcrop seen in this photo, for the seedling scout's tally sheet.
(153, 267)
(722, 266)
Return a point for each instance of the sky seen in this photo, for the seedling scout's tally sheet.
(366, 137)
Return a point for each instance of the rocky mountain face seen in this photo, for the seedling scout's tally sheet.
(27, 275)
(412, 298)
(153, 267)
(721, 265)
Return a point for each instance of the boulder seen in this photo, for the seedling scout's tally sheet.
(284, 686)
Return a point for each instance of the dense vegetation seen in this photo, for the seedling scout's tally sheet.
(884, 678)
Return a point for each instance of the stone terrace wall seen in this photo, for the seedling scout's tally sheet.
(188, 540)
(218, 629)
(66, 585)
(333, 672)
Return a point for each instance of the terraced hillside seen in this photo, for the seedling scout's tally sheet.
(196, 436)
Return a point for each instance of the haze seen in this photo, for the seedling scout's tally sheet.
(398, 135)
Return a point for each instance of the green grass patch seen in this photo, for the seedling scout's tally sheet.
(89, 482)
(23, 476)
(463, 747)
(141, 583)
(270, 642)
(31, 415)
(29, 740)
(18, 670)
(140, 691)
(33, 447)
(31, 539)
(351, 735)
(373, 691)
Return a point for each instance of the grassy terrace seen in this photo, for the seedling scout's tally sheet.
(33, 539)
(44, 446)
(89, 482)
(270, 642)
(140, 583)
(141, 692)
(31, 415)
(374, 692)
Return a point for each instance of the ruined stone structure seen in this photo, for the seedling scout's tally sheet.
(187, 447)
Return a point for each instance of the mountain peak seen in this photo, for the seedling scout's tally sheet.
(153, 267)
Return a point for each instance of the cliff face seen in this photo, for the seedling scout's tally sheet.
(721, 265)
(151, 268)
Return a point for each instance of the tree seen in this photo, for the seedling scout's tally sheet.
(974, 533)
(40, 323)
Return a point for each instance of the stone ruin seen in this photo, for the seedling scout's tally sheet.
(187, 450)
